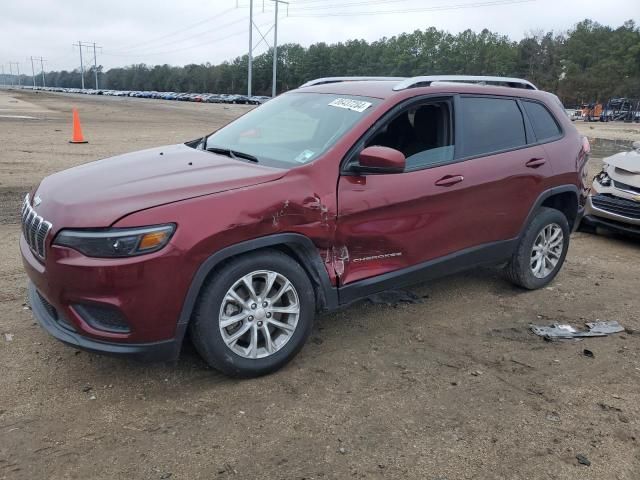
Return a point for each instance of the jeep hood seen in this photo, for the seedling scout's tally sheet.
(99, 193)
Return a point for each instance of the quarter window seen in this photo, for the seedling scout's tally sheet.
(490, 125)
(544, 125)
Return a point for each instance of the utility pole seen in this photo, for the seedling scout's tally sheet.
(250, 47)
(275, 48)
(33, 74)
(95, 64)
(80, 45)
(4, 79)
(81, 64)
(42, 60)
(44, 83)
(18, 68)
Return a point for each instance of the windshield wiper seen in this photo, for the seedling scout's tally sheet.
(233, 154)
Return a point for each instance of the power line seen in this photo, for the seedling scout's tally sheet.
(182, 49)
(344, 4)
(199, 34)
(412, 10)
(177, 32)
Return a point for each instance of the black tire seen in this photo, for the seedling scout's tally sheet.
(204, 327)
(518, 270)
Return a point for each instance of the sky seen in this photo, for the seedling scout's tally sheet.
(200, 31)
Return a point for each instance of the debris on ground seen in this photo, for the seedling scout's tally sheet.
(588, 353)
(605, 328)
(553, 417)
(8, 337)
(566, 331)
(393, 298)
(583, 460)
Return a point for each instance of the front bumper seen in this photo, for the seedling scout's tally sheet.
(600, 217)
(144, 293)
(167, 350)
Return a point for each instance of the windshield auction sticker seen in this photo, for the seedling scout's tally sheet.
(355, 105)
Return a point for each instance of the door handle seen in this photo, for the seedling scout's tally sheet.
(449, 180)
(535, 162)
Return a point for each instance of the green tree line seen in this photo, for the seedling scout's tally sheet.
(590, 62)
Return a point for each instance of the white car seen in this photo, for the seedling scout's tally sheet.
(614, 200)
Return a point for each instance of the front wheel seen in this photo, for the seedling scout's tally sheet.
(541, 250)
(254, 314)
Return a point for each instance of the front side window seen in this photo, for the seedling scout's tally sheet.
(490, 125)
(422, 133)
(543, 123)
(292, 129)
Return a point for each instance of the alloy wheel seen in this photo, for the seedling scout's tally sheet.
(259, 314)
(547, 250)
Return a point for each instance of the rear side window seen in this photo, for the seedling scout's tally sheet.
(544, 125)
(490, 125)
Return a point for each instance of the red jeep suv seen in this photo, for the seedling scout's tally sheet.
(327, 194)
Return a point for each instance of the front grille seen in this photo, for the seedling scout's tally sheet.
(34, 228)
(624, 186)
(617, 205)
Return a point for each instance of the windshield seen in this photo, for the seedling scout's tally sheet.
(292, 129)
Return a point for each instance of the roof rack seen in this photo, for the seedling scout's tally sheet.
(426, 81)
(323, 81)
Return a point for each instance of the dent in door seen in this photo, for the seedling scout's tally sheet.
(372, 232)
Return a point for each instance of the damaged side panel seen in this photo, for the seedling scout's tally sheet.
(293, 204)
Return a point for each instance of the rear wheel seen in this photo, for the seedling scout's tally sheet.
(541, 251)
(254, 314)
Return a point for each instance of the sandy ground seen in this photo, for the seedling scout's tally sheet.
(453, 387)
(609, 130)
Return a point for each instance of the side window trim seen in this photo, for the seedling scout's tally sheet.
(530, 134)
(461, 138)
(386, 117)
(533, 136)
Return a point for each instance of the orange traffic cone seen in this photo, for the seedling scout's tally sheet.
(77, 129)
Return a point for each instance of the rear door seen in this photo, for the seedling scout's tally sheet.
(511, 169)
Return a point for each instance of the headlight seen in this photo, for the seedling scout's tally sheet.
(604, 179)
(116, 242)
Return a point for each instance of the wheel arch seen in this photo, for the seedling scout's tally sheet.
(298, 246)
(563, 198)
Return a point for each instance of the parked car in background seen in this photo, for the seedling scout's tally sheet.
(571, 113)
(185, 96)
(322, 196)
(614, 200)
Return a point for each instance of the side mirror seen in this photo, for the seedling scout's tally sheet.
(378, 159)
